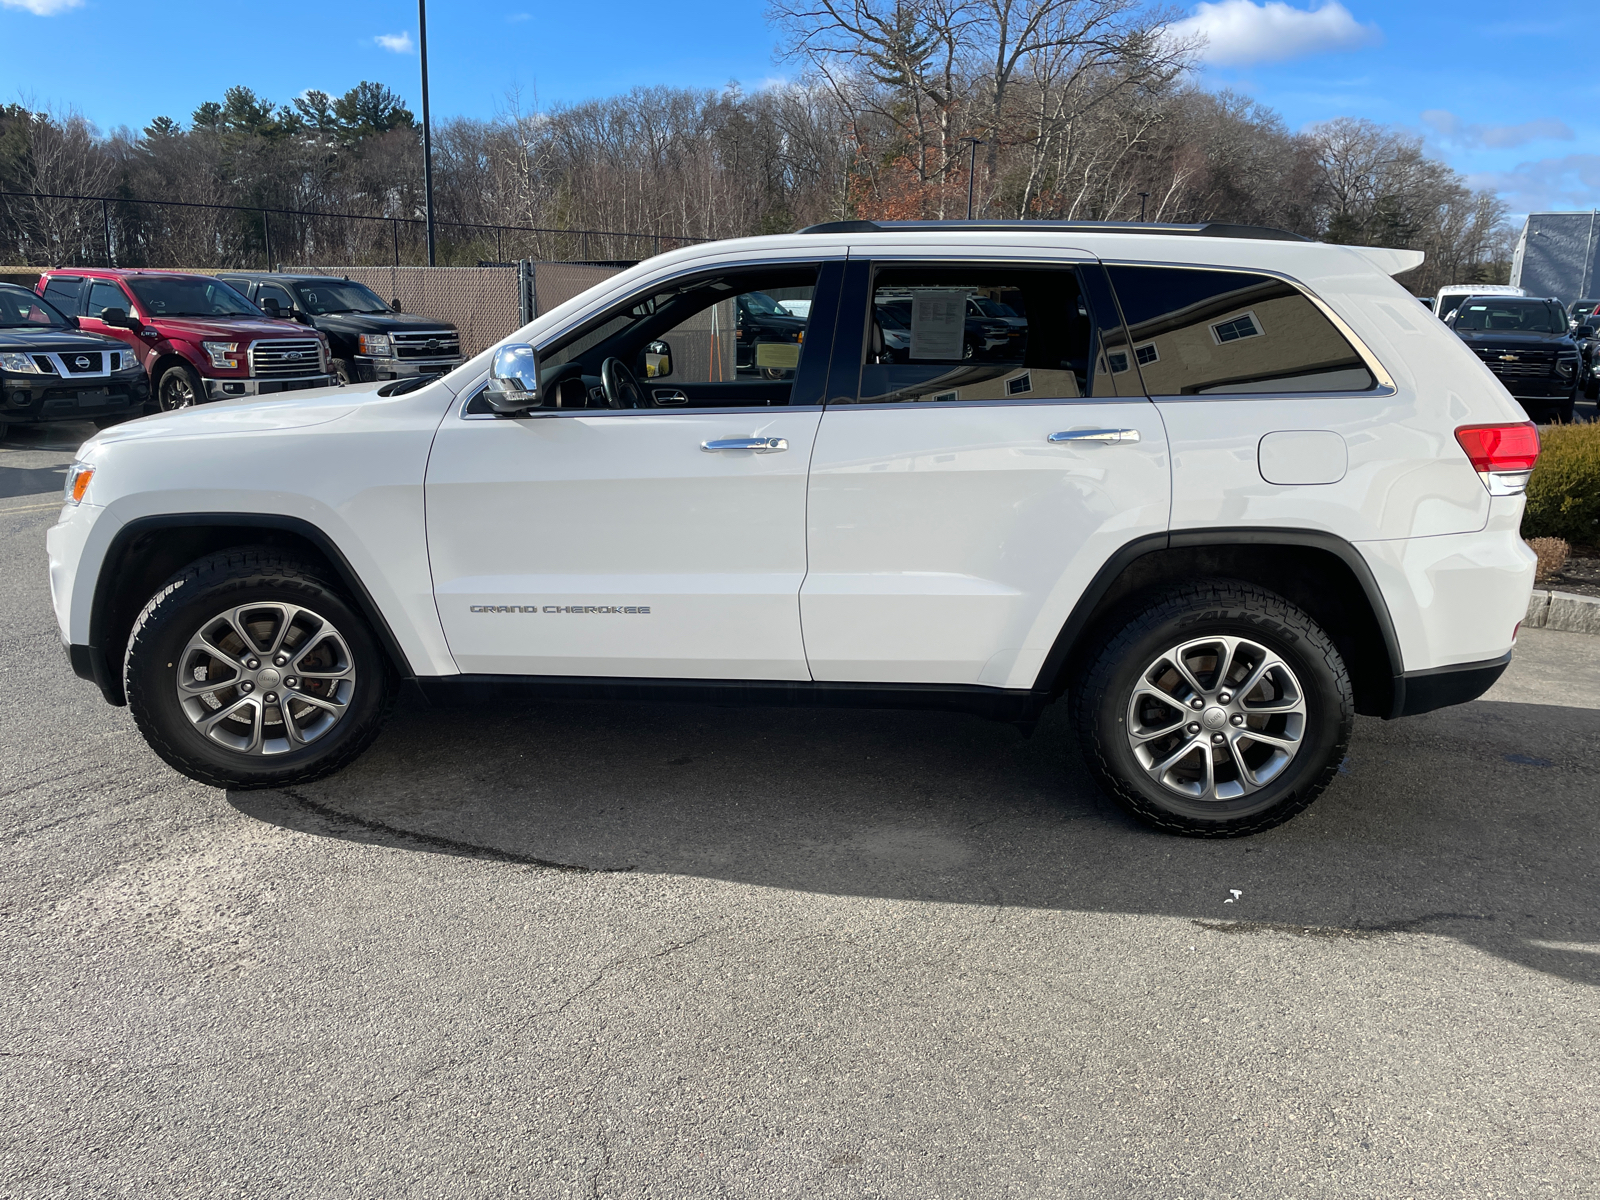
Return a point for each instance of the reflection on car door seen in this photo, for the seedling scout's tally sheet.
(959, 505)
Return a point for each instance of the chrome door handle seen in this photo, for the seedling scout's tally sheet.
(669, 397)
(1095, 435)
(759, 445)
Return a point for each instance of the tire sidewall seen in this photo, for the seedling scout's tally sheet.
(1329, 708)
(196, 387)
(151, 666)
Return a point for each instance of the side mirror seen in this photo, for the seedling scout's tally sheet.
(270, 307)
(657, 360)
(73, 321)
(513, 379)
(1583, 331)
(117, 317)
(395, 304)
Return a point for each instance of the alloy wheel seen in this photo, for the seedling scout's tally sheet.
(264, 679)
(1217, 718)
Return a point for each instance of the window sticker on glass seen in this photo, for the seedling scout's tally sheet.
(938, 324)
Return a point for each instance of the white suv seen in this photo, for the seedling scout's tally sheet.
(1221, 487)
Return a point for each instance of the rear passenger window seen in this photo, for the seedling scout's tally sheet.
(1200, 333)
(996, 333)
(63, 292)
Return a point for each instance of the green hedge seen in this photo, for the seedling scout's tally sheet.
(1564, 493)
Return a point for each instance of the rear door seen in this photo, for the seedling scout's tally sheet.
(970, 477)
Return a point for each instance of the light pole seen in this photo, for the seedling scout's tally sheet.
(1142, 197)
(427, 128)
(972, 169)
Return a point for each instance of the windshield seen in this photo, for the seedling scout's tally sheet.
(19, 306)
(338, 296)
(993, 308)
(760, 302)
(175, 297)
(1516, 316)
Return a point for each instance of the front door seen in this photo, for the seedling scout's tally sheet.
(656, 531)
(984, 451)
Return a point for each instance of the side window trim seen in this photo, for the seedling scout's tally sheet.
(1384, 382)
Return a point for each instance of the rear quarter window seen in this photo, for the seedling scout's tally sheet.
(1203, 332)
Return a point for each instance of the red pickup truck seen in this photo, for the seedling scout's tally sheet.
(196, 336)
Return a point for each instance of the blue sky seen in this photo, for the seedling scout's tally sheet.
(1506, 93)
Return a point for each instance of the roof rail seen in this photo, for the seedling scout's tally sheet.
(1204, 229)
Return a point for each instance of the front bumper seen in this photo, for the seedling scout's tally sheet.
(374, 369)
(228, 389)
(30, 398)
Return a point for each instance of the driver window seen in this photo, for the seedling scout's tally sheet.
(732, 339)
(752, 335)
(271, 291)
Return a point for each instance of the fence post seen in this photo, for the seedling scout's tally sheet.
(586, 245)
(105, 211)
(499, 254)
(394, 228)
(527, 296)
(266, 235)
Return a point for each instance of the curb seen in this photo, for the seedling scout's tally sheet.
(1564, 611)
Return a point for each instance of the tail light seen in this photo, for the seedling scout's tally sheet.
(1502, 455)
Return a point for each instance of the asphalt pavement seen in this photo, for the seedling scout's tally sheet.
(629, 951)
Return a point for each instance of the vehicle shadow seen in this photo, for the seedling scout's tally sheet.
(1477, 822)
(31, 481)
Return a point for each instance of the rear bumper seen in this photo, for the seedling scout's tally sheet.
(228, 389)
(1424, 691)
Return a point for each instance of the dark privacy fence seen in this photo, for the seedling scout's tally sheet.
(51, 229)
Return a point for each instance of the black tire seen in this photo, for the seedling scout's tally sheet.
(1183, 615)
(346, 370)
(1591, 390)
(3, 428)
(189, 602)
(180, 386)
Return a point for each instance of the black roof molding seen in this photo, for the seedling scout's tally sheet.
(1205, 229)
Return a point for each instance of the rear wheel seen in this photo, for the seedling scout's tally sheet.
(1218, 710)
(179, 387)
(346, 370)
(248, 670)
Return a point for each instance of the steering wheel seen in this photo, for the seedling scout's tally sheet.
(621, 388)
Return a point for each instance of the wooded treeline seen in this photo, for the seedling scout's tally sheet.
(1081, 109)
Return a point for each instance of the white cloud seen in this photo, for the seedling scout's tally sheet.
(42, 8)
(1501, 137)
(1239, 32)
(1571, 182)
(516, 18)
(400, 43)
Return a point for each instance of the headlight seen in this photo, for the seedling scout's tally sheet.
(377, 345)
(78, 476)
(222, 354)
(21, 363)
(130, 360)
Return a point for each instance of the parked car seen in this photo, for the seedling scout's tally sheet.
(1526, 343)
(983, 336)
(1295, 504)
(1452, 294)
(1580, 309)
(1584, 336)
(197, 338)
(760, 320)
(369, 340)
(50, 370)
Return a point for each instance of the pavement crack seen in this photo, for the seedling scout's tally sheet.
(615, 963)
(1338, 932)
(435, 842)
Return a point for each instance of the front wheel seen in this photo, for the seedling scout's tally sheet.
(179, 387)
(1219, 710)
(346, 370)
(248, 670)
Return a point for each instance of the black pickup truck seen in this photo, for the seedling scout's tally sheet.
(370, 340)
(1526, 343)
